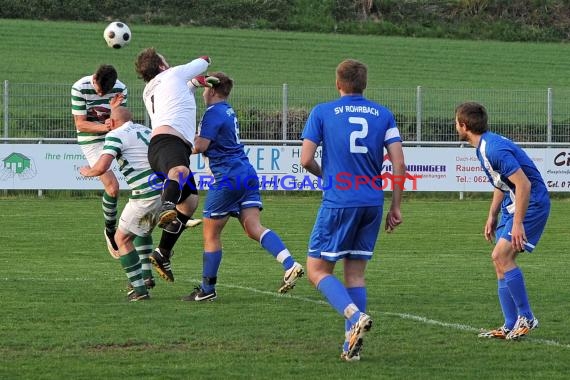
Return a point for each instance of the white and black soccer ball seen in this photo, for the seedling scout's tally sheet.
(117, 34)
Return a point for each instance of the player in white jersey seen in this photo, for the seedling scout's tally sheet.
(128, 144)
(90, 106)
(172, 109)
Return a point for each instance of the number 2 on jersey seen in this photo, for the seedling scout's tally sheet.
(358, 134)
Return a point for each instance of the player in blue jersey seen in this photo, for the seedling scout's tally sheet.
(353, 132)
(522, 198)
(235, 191)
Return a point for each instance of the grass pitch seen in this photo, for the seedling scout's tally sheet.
(431, 287)
(62, 52)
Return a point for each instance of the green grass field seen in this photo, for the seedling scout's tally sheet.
(431, 287)
(431, 284)
(510, 78)
(62, 52)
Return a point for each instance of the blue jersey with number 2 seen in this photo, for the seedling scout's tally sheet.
(353, 132)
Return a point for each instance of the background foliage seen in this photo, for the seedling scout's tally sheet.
(507, 20)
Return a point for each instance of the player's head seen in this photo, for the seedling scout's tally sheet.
(104, 79)
(150, 63)
(119, 116)
(472, 116)
(219, 91)
(351, 76)
(224, 87)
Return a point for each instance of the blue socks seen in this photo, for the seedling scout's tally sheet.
(210, 265)
(507, 304)
(272, 243)
(338, 297)
(515, 282)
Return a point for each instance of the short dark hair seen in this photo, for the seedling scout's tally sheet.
(226, 83)
(147, 64)
(106, 77)
(352, 76)
(474, 116)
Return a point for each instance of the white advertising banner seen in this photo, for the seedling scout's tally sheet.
(56, 166)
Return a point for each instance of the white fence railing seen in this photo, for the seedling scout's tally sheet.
(36, 111)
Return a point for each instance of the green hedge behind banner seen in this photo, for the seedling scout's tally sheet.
(512, 20)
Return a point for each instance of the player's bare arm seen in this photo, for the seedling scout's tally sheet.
(102, 165)
(492, 219)
(308, 161)
(522, 196)
(117, 100)
(394, 215)
(200, 145)
(83, 125)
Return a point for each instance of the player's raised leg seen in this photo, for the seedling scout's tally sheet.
(250, 220)
(161, 256)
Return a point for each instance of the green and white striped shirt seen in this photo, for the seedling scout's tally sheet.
(129, 145)
(85, 101)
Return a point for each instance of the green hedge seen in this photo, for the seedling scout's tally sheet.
(228, 13)
(509, 20)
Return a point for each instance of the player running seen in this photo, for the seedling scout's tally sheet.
(353, 132)
(234, 192)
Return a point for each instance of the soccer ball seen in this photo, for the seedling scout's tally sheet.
(117, 34)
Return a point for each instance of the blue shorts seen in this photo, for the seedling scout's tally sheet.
(534, 223)
(345, 233)
(231, 195)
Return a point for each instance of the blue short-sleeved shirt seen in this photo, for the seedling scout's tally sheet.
(225, 153)
(501, 158)
(236, 184)
(353, 132)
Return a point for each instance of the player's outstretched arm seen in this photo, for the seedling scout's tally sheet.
(204, 81)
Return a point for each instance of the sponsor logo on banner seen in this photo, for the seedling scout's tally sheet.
(17, 165)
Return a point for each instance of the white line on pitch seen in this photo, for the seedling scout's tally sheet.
(412, 317)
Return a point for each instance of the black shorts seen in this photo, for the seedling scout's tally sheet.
(168, 151)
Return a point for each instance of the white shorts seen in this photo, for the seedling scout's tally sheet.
(92, 152)
(140, 216)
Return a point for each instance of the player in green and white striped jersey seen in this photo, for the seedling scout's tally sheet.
(127, 142)
(90, 105)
